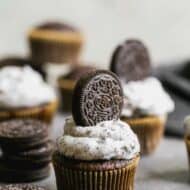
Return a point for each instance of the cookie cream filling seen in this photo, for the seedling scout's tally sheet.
(22, 86)
(107, 140)
(147, 97)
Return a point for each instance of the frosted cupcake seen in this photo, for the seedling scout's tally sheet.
(24, 94)
(55, 42)
(97, 150)
(146, 103)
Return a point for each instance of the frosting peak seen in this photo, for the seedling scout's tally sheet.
(107, 140)
(146, 96)
(22, 86)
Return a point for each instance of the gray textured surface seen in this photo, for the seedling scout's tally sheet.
(166, 169)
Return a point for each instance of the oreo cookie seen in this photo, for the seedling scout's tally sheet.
(17, 135)
(14, 175)
(131, 61)
(97, 97)
(21, 187)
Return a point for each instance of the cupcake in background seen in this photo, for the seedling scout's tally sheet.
(187, 136)
(97, 150)
(146, 103)
(66, 84)
(24, 94)
(55, 42)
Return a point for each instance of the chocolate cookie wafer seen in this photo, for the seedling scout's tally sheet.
(97, 97)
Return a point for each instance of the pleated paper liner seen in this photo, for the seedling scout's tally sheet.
(66, 87)
(43, 112)
(107, 175)
(58, 47)
(149, 130)
(187, 142)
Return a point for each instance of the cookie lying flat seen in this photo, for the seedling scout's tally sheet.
(131, 61)
(97, 97)
(21, 187)
(22, 134)
(10, 175)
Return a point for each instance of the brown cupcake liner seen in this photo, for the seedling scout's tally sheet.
(66, 88)
(44, 113)
(58, 51)
(187, 142)
(88, 178)
(149, 131)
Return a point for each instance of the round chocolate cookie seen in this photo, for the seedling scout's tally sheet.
(18, 175)
(22, 134)
(21, 187)
(97, 97)
(131, 61)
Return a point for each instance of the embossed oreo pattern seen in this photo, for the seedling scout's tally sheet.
(131, 61)
(101, 98)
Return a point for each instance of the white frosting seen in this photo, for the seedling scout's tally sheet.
(22, 86)
(147, 96)
(187, 125)
(107, 140)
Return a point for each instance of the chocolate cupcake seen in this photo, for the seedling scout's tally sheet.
(146, 104)
(67, 83)
(55, 42)
(97, 150)
(24, 94)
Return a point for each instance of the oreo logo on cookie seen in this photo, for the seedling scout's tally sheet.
(131, 61)
(97, 97)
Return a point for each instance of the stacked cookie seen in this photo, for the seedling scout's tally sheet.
(20, 187)
(26, 150)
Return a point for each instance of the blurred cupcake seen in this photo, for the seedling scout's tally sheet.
(146, 104)
(97, 150)
(24, 94)
(55, 42)
(187, 136)
(67, 83)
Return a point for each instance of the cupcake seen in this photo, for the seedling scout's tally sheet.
(146, 104)
(97, 150)
(55, 42)
(187, 136)
(66, 84)
(24, 94)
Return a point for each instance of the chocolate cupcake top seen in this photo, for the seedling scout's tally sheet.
(97, 133)
(57, 26)
(23, 87)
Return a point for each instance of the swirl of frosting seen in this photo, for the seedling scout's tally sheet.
(107, 140)
(22, 86)
(147, 97)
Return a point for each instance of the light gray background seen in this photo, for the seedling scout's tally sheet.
(164, 25)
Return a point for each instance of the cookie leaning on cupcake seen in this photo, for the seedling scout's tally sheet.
(24, 94)
(146, 104)
(96, 147)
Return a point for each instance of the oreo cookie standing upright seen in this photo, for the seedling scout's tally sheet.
(97, 97)
(131, 61)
